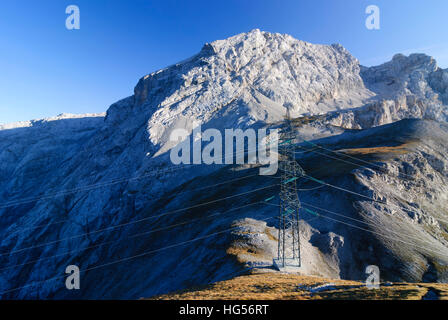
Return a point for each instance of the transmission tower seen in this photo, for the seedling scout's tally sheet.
(290, 170)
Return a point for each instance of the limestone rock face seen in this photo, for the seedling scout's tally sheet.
(413, 87)
(258, 72)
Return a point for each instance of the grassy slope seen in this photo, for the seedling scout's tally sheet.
(280, 286)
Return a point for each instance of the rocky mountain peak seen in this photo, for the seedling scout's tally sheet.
(258, 73)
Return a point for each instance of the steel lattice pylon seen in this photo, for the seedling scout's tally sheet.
(290, 170)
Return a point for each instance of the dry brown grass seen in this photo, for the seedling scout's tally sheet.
(401, 149)
(280, 286)
(241, 254)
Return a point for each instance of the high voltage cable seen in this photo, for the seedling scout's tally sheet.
(109, 183)
(340, 188)
(386, 236)
(355, 158)
(358, 194)
(128, 258)
(165, 196)
(358, 165)
(36, 227)
(315, 146)
(132, 236)
(355, 164)
(64, 192)
(304, 189)
(306, 150)
(310, 189)
(88, 187)
(357, 220)
(56, 278)
(362, 195)
(374, 232)
(133, 222)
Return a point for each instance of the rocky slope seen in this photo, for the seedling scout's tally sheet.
(393, 215)
(96, 191)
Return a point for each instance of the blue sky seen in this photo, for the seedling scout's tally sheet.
(46, 69)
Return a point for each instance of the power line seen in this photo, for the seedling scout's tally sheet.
(37, 227)
(303, 189)
(342, 160)
(384, 235)
(310, 189)
(165, 196)
(355, 158)
(109, 183)
(362, 195)
(367, 230)
(133, 222)
(87, 188)
(127, 258)
(59, 222)
(132, 236)
(357, 220)
(349, 191)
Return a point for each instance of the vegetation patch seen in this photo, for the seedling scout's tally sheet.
(276, 285)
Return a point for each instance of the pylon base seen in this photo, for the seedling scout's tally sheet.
(291, 265)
